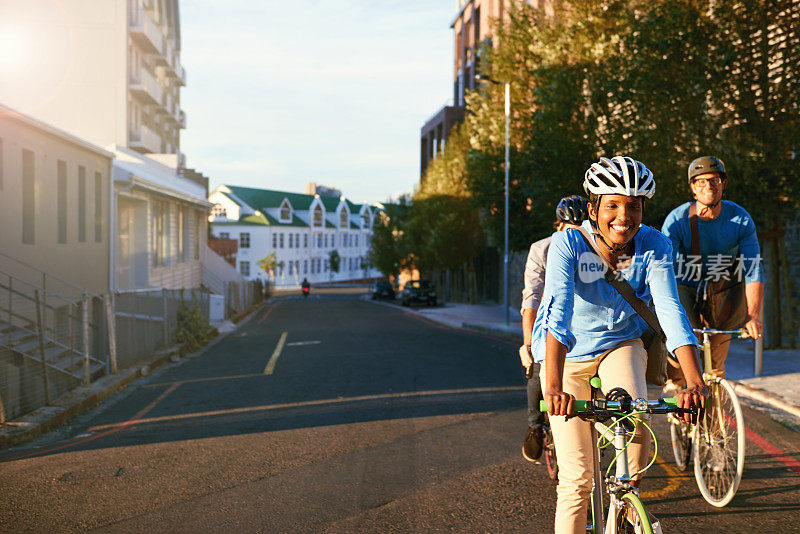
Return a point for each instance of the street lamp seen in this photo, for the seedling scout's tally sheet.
(483, 77)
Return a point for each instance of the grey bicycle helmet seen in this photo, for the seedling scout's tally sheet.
(572, 210)
(619, 175)
(705, 165)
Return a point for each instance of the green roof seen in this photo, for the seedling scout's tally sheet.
(261, 199)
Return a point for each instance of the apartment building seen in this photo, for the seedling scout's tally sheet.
(107, 71)
(300, 229)
(54, 206)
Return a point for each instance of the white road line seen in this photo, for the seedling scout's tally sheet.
(301, 343)
(272, 361)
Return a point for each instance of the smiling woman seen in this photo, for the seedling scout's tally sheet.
(585, 328)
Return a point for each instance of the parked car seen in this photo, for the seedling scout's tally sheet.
(382, 290)
(418, 291)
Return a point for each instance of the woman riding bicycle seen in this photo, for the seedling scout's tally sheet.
(585, 328)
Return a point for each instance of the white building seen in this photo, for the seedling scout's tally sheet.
(107, 71)
(302, 231)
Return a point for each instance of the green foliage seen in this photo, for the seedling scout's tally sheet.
(193, 327)
(334, 260)
(268, 263)
(663, 81)
(387, 247)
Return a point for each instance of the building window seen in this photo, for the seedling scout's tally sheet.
(98, 207)
(356, 239)
(343, 218)
(244, 268)
(274, 240)
(318, 216)
(291, 238)
(62, 201)
(326, 240)
(160, 234)
(365, 220)
(28, 198)
(244, 240)
(319, 240)
(305, 240)
(218, 211)
(280, 240)
(224, 235)
(286, 212)
(81, 204)
(305, 266)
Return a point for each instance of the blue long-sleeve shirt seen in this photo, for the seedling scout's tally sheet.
(732, 234)
(587, 315)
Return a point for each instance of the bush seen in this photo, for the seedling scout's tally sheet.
(193, 328)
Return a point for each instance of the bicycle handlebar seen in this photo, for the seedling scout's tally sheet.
(603, 407)
(711, 331)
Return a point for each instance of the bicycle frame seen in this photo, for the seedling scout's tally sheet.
(616, 485)
(708, 377)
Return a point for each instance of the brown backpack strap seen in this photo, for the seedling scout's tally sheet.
(695, 230)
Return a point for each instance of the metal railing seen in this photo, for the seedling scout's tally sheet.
(49, 344)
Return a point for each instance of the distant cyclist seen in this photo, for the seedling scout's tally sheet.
(725, 229)
(584, 327)
(570, 213)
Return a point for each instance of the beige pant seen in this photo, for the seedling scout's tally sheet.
(624, 366)
(719, 342)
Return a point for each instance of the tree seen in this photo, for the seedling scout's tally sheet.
(268, 263)
(387, 248)
(333, 261)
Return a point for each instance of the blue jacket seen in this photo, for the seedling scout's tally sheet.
(586, 314)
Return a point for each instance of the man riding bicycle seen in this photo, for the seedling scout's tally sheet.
(725, 232)
(570, 213)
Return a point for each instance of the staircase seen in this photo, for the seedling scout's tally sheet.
(49, 342)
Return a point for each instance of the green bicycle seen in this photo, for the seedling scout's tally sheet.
(625, 514)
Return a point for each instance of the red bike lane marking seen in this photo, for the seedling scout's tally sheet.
(766, 445)
(269, 310)
(127, 424)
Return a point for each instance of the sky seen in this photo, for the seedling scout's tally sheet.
(281, 93)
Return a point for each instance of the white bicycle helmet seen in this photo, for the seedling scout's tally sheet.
(619, 175)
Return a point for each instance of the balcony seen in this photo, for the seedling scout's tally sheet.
(181, 74)
(167, 105)
(182, 119)
(146, 88)
(145, 140)
(146, 33)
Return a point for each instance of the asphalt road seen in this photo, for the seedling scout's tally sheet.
(336, 414)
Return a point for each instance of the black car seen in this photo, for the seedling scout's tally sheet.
(418, 291)
(382, 290)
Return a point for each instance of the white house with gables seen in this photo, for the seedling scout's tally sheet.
(301, 230)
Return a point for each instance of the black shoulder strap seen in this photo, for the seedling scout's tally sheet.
(614, 278)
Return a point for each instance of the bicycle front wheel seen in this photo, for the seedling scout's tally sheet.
(718, 444)
(681, 434)
(631, 517)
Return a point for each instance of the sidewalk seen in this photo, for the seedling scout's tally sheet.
(778, 387)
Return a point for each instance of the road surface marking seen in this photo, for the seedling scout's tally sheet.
(269, 310)
(111, 429)
(673, 477)
(301, 343)
(209, 379)
(267, 407)
(272, 361)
